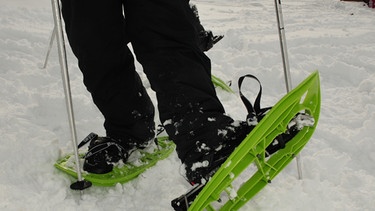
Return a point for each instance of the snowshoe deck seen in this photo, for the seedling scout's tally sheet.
(139, 161)
(304, 98)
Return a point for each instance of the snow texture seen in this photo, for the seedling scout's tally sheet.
(335, 37)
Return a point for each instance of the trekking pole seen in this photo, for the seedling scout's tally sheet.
(80, 184)
(284, 54)
(52, 39)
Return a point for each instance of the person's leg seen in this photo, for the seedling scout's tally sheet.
(165, 42)
(96, 34)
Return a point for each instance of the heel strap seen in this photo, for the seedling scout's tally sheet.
(255, 113)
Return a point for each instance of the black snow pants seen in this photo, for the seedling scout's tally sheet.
(164, 38)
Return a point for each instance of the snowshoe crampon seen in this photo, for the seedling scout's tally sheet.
(220, 192)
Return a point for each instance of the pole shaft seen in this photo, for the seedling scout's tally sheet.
(52, 38)
(284, 54)
(65, 76)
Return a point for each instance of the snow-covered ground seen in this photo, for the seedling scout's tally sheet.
(337, 38)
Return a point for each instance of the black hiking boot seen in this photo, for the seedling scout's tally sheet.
(295, 125)
(202, 164)
(203, 161)
(104, 152)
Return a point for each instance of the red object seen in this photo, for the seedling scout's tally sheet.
(371, 3)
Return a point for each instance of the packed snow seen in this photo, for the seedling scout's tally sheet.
(335, 37)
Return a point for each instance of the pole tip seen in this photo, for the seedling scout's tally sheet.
(80, 185)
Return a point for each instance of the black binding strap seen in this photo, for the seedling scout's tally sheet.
(255, 113)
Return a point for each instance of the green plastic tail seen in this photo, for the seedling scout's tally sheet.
(220, 83)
